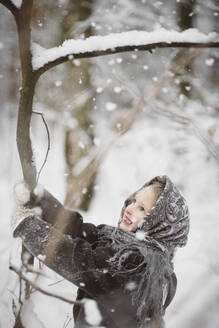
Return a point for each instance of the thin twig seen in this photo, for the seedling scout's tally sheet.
(12, 293)
(20, 291)
(209, 145)
(67, 321)
(48, 147)
(14, 309)
(55, 283)
(22, 277)
(184, 120)
(70, 319)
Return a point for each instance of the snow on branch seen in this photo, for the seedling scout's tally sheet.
(17, 3)
(10, 5)
(119, 42)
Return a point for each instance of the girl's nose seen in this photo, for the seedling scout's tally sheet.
(129, 210)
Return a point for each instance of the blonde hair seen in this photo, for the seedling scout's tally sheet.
(158, 188)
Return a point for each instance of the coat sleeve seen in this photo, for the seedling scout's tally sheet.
(53, 212)
(72, 258)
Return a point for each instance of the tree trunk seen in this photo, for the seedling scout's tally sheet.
(79, 140)
(29, 80)
(185, 20)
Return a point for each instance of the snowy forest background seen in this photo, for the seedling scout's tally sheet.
(85, 103)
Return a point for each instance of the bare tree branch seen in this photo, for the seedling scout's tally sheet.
(147, 47)
(29, 80)
(48, 147)
(10, 6)
(39, 289)
(119, 49)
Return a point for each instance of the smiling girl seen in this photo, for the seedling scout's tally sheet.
(127, 270)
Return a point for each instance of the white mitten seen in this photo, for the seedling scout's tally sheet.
(22, 196)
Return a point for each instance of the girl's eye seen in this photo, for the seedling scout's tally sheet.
(141, 208)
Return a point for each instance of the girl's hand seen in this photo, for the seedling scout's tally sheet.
(22, 209)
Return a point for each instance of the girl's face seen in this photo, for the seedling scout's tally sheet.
(135, 212)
